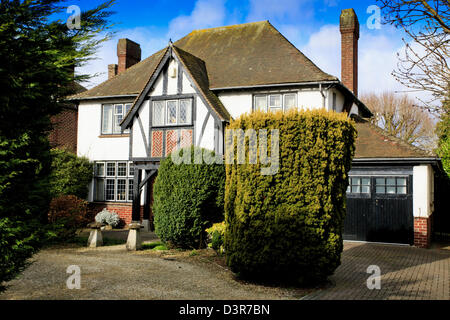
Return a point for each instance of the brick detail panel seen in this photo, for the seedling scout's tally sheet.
(186, 138)
(157, 144)
(64, 133)
(171, 141)
(422, 232)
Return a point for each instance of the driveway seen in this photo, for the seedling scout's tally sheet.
(114, 273)
(406, 273)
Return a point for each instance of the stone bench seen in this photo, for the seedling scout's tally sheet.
(134, 241)
(95, 237)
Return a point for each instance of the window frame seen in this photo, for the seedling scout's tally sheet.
(282, 95)
(387, 185)
(166, 112)
(128, 177)
(126, 106)
(360, 194)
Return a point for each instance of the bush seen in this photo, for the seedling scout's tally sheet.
(67, 214)
(110, 218)
(216, 236)
(188, 198)
(70, 174)
(288, 226)
(18, 241)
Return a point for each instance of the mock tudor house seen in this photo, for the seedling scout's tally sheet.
(187, 93)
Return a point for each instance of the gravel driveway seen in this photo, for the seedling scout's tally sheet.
(114, 273)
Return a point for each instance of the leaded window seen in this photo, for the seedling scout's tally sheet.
(172, 112)
(113, 181)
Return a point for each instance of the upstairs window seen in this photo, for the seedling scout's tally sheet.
(275, 102)
(112, 116)
(172, 112)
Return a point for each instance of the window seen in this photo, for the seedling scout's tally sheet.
(114, 181)
(172, 112)
(359, 185)
(391, 185)
(112, 116)
(275, 102)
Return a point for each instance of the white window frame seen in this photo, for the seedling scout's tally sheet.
(282, 101)
(128, 177)
(125, 108)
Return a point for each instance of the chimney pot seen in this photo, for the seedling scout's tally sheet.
(128, 53)
(349, 27)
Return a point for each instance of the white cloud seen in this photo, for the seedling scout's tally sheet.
(377, 58)
(206, 14)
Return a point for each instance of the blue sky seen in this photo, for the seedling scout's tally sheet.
(311, 25)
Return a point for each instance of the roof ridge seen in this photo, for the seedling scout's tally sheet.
(238, 25)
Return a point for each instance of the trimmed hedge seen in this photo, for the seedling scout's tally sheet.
(288, 226)
(187, 199)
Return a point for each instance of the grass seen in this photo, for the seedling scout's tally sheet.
(157, 245)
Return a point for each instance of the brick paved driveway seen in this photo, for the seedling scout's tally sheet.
(406, 273)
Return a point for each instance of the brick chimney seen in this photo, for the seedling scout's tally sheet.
(129, 53)
(349, 27)
(112, 70)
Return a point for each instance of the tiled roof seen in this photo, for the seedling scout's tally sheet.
(241, 55)
(374, 142)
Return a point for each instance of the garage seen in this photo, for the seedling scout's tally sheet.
(380, 208)
(391, 192)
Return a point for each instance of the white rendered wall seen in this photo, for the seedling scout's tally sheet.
(90, 144)
(204, 138)
(237, 103)
(138, 147)
(423, 193)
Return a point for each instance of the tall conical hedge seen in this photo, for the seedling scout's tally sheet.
(288, 226)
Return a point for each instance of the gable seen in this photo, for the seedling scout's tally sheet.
(196, 72)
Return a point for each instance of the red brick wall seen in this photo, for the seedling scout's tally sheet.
(124, 210)
(422, 232)
(64, 133)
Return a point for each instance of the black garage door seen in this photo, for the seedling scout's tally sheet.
(379, 209)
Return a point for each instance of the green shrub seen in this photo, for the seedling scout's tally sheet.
(70, 174)
(18, 241)
(188, 198)
(288, 226)
(216, 236)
